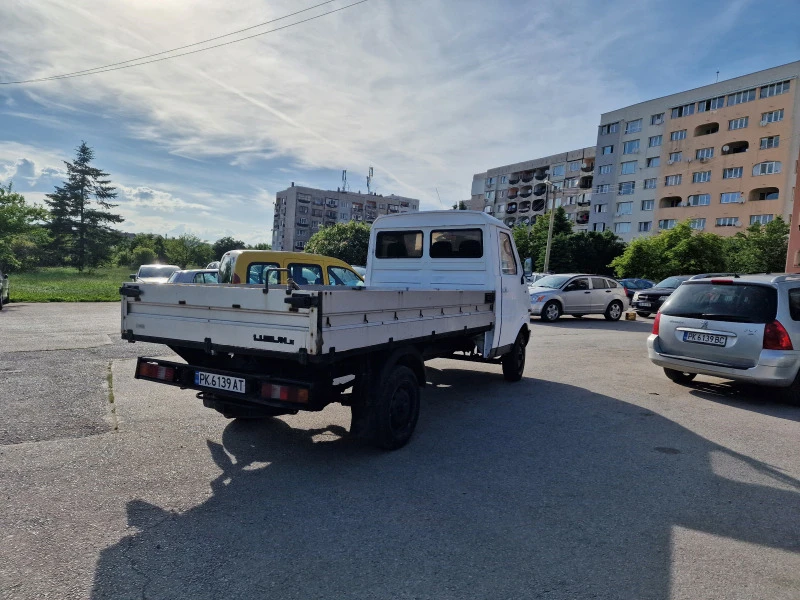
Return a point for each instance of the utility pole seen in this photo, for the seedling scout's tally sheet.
(548, 183)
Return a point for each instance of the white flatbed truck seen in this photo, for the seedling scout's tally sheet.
(438, 284)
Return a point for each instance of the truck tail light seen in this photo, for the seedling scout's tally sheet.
(776, 337)
(284, 393)
(656, 323)
(156, 371)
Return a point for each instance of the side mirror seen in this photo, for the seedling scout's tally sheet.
(133, 276)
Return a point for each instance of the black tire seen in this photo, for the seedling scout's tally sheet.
(396, 410)
(791, 394)
(1, 302)
(551, 311)
(679, 376)
(514, 361)
(614, 311)
(578, 316)
(643, 314)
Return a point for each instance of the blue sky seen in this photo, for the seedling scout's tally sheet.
(427, 92)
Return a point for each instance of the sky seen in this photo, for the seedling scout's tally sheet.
(427, 92)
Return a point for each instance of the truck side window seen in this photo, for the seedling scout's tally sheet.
(456, 243)
(507, 262)
(398, 244)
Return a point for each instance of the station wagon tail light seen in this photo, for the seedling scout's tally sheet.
(236, 278)
(656, 323)
(722, 281)
(155, 371)
(284, 393)
(776, 337)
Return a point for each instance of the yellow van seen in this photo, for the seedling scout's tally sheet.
(251, 266)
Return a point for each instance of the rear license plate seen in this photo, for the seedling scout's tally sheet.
(219, 382)
(644, 304)
(704, 338)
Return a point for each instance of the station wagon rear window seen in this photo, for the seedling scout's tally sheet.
(731, 302)
(398, 244)
(456, 243)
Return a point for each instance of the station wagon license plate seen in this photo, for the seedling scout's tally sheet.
(219, 382)
(704, 338)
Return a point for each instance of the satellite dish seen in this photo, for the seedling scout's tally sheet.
(726, 148)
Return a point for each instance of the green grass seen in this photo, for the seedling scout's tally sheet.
(68, 285)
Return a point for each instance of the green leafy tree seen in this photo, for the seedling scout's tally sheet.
(225, 244)
(593, 251)
(461, 205)
(20, 231)
(261, 246)
(346, 241)
(80, 216)
(142, 255)
(186, 250)
(761, 249)
(531, 240)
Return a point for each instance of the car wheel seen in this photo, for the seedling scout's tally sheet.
(551, 311)
(514, 361)
(679, 376)
(641, 313)
(614, 311)
(1, 301)
(791, 395)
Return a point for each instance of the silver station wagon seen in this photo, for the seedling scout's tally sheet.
(745, 328)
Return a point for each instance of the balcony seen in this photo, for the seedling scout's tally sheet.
(513, 178)
(585, 182)
(735, 148)
(706, 129)
(539, 189)
(527, 176)
(303, 198)
(524, 221)
(584, 200)
(509, 221)
(765, 193)
(512, 193)
(526, 191)
(525, 206)
(670, 202)
(587, 166)
(540, 174)
(582, 218)
(537, 205)
(511, 208)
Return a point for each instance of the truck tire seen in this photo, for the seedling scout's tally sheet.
(395, 410)
(514, 361)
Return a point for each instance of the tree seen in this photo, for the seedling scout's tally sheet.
(593, 251)
(225, 244)
(761, 249)
(531, 240)
(142, 255)
(79, 213)
(188, 249)
(345, 241)
(460, 206)
(260, 246)
(20, 232)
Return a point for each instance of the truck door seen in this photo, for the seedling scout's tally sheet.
(514, 300)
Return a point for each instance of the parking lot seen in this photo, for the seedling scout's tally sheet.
(594, 477)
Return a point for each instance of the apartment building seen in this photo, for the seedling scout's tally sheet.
(793, 255)
(722, 155)
(301, 211)
(516, 193)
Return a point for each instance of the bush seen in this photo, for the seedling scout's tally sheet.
(142, 255)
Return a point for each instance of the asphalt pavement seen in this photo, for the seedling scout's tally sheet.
(593, 477)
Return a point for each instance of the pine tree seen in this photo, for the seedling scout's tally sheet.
(80, 214)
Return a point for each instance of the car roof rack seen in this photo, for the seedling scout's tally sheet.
(786, 277)
(707, 275)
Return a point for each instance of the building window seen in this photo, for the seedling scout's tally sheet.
(645, 226)
(674, 136)
(625, 188)
(741, 97)
(490, 181)
(701, 176)
(575, 166)
(767, 168)
(728, 222)
(673, 180)
(774, 89)
(772, 117)
(343, 216)
(488, 195)
(650, 184)
(711, 104)
(732, 173)
(558, 171)
(558, 185)
(682, 111)
(667, 223)
(730, 198)
(624, 208)
(648, 204)
(607, 150)
(699, 200)
(772, 141)
(316, 212)
(610, 128)
(571, 182)
(633, 126)
(504, 179)
(704, 153)
(760, 219)
(654, 141)
(675, 157)
(654, 161)
(604, 170)
(740, 123)
(622, 227)
(630, 147)
(600, 208)
(603, 188)
(501, 194)
(628, 168)
(657, 119)
(697, 224)
(303, 210)
(769, 194)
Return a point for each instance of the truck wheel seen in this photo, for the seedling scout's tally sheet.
(679, 376)
(551, 311)
(396, 409)
(514, 361)
(614, 311)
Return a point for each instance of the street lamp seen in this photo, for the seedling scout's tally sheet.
(548, 183)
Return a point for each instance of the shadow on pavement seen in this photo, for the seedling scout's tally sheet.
(547, 490)
(597, 322)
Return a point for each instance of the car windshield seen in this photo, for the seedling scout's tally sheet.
(739, 303)
(552, 281)
(156, 271)
(671, 282)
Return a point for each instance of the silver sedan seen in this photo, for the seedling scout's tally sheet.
(577, 295)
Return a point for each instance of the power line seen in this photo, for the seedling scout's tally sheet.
(126, 64)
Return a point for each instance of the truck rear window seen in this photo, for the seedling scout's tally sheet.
(738, 303)
(398, 244)
(456, 243)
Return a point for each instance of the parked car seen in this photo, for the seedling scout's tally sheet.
(195, 276)
(213, 265)
(4, 297)
(154, 273)
(577, 295)
(744, 328)
(360, 270)
(253, 266)
(633, 285)
(646, 302)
